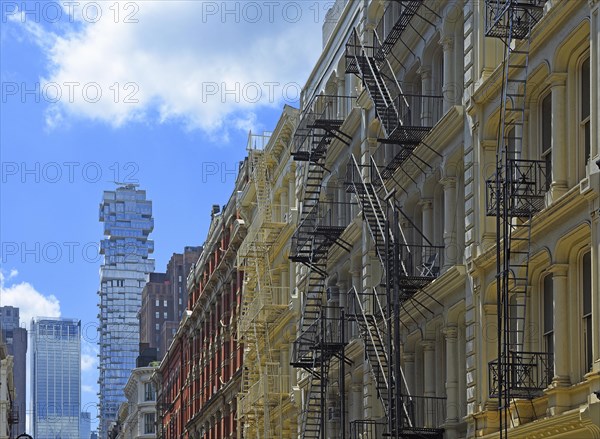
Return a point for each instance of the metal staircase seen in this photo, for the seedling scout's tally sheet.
(406, 118)
(404, 276)
(403, 11)
(374, 331)
(317, 231)
(382, 86)
(314, 406)
(514, 195)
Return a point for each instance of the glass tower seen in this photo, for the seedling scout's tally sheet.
(55, 378)
(127, 218)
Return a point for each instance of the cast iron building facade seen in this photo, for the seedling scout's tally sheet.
(55, 378)
(127, 218)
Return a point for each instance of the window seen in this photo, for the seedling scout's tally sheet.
(158, 327)
(584, 118)
(149, 427)
(165, 303)
(149, 394)
(511, 144)
(587, 311)
(157, 314)
(157, 303)
(165, 315)
(546, 124)
(548, 313)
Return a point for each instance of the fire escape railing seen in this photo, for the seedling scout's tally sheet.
(526, 14)
(529, 374)
(526, 183)
(514, 194)
(318, 229)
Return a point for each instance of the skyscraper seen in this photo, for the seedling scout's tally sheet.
(15, 338)
(55, 378)
(178, 269)
(85, 425)
(164, 298)
(127, 218)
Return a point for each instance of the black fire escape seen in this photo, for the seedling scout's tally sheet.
(410, 260)
(322, 334)
(515, 194)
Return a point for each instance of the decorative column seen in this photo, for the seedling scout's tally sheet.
(560, 156)
(452, 401)
(285, 209)
(562, 337)
(448, 87)
(356, 411)
(426, 110)
(408, 360)
(343, 291)
(292, 193)
(427, 209)
(356, 283)
(342, 103)
(450, 202)
(429, 378)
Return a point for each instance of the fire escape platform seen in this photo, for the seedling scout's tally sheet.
(525, 188)
(498, 13)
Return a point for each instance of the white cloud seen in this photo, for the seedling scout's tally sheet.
(208, 65)
(31, 303)
(89, 359)
(88, 389)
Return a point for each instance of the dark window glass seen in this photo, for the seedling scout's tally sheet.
(587, 310)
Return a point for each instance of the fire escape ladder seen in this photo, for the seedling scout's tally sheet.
(372, 209)
(314, 406)
(515, 194)
(389, 37)
(375, 349)
(383, 89)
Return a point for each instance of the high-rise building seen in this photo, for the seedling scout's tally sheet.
(85, 422)
(157, 308)
(164, 298)
(15, 338)
(127, 218)
(7, 391)
(55, 378)
(178, 269)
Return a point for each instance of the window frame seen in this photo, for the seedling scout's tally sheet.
(147, 417)
(586, 317)
(149, 392)
(546, 152)
(547, 332)
(583, 142)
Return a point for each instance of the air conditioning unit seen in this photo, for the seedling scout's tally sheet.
(333, 294)
(333, 413)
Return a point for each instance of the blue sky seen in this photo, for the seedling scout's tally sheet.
(162, 93)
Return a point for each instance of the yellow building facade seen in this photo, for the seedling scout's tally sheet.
(267, 202)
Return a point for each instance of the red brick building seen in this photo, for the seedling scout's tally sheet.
(200, 377)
